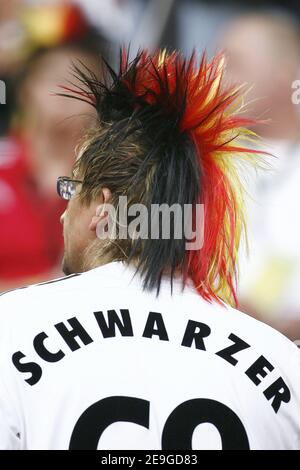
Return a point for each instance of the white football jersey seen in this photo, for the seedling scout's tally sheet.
(91, 361)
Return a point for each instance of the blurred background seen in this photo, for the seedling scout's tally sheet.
(39, 41)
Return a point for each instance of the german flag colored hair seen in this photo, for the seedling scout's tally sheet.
(194, 151)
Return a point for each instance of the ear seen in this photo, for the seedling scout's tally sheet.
(100, 212)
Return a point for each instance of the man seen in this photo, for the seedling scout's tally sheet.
(136, 347)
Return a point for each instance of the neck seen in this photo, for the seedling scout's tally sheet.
(95, 255)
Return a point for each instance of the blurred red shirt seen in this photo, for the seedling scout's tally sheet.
(31, 241)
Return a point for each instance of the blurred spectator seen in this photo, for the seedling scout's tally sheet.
(264, 51)
(41, 145)
(11, 40)
(140, 23)
(11, 36)
(116, 19)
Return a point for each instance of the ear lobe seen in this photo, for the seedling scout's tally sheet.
(99, 210)
(94, 223)
(101, 214)
(99, 217)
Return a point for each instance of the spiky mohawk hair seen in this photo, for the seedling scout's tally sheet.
(183, 128)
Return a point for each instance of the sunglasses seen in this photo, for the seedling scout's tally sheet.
(66, 187)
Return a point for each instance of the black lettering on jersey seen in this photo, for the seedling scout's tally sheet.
(155, 326)
(93, 422)
(179, 428)
(192, 335)
(279, 392)
(76, 331)
(43, 352)
(32, 367)
(259, 368)
(237, 346)
(109, 330)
